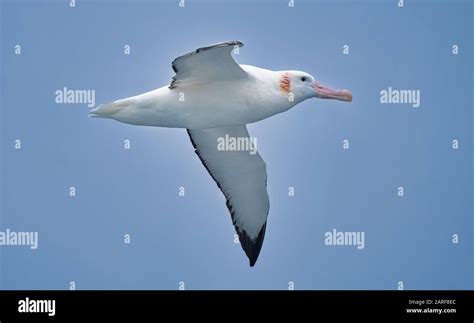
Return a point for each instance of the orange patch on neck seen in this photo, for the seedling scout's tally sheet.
(285, 83)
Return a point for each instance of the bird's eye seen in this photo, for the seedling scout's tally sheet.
(303, 79)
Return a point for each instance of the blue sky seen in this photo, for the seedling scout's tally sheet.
(190, 239)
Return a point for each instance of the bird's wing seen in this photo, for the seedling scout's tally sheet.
(242, 177)
(207, 64)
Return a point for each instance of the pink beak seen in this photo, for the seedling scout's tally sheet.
(323, 92)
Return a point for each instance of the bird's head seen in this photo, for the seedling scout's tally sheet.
(302, 86)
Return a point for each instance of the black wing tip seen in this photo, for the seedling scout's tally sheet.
(174, 82)
(252, 247)
(221, 44)
(253, 260)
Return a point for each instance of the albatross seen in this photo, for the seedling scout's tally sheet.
(212, 96)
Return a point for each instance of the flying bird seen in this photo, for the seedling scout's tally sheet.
(214, 97)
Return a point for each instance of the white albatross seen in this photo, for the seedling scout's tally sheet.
(212, 96)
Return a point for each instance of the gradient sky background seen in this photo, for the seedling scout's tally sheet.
(190, 238)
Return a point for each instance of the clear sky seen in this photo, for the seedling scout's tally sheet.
(190, 239)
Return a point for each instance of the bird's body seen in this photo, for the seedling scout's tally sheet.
(214, 97)
(252, 99)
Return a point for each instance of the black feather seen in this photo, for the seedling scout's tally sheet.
(252, 247)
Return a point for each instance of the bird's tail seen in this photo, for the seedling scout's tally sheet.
(108, 110)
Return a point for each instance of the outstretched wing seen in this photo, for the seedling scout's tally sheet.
(242, 177)
(207, 64)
